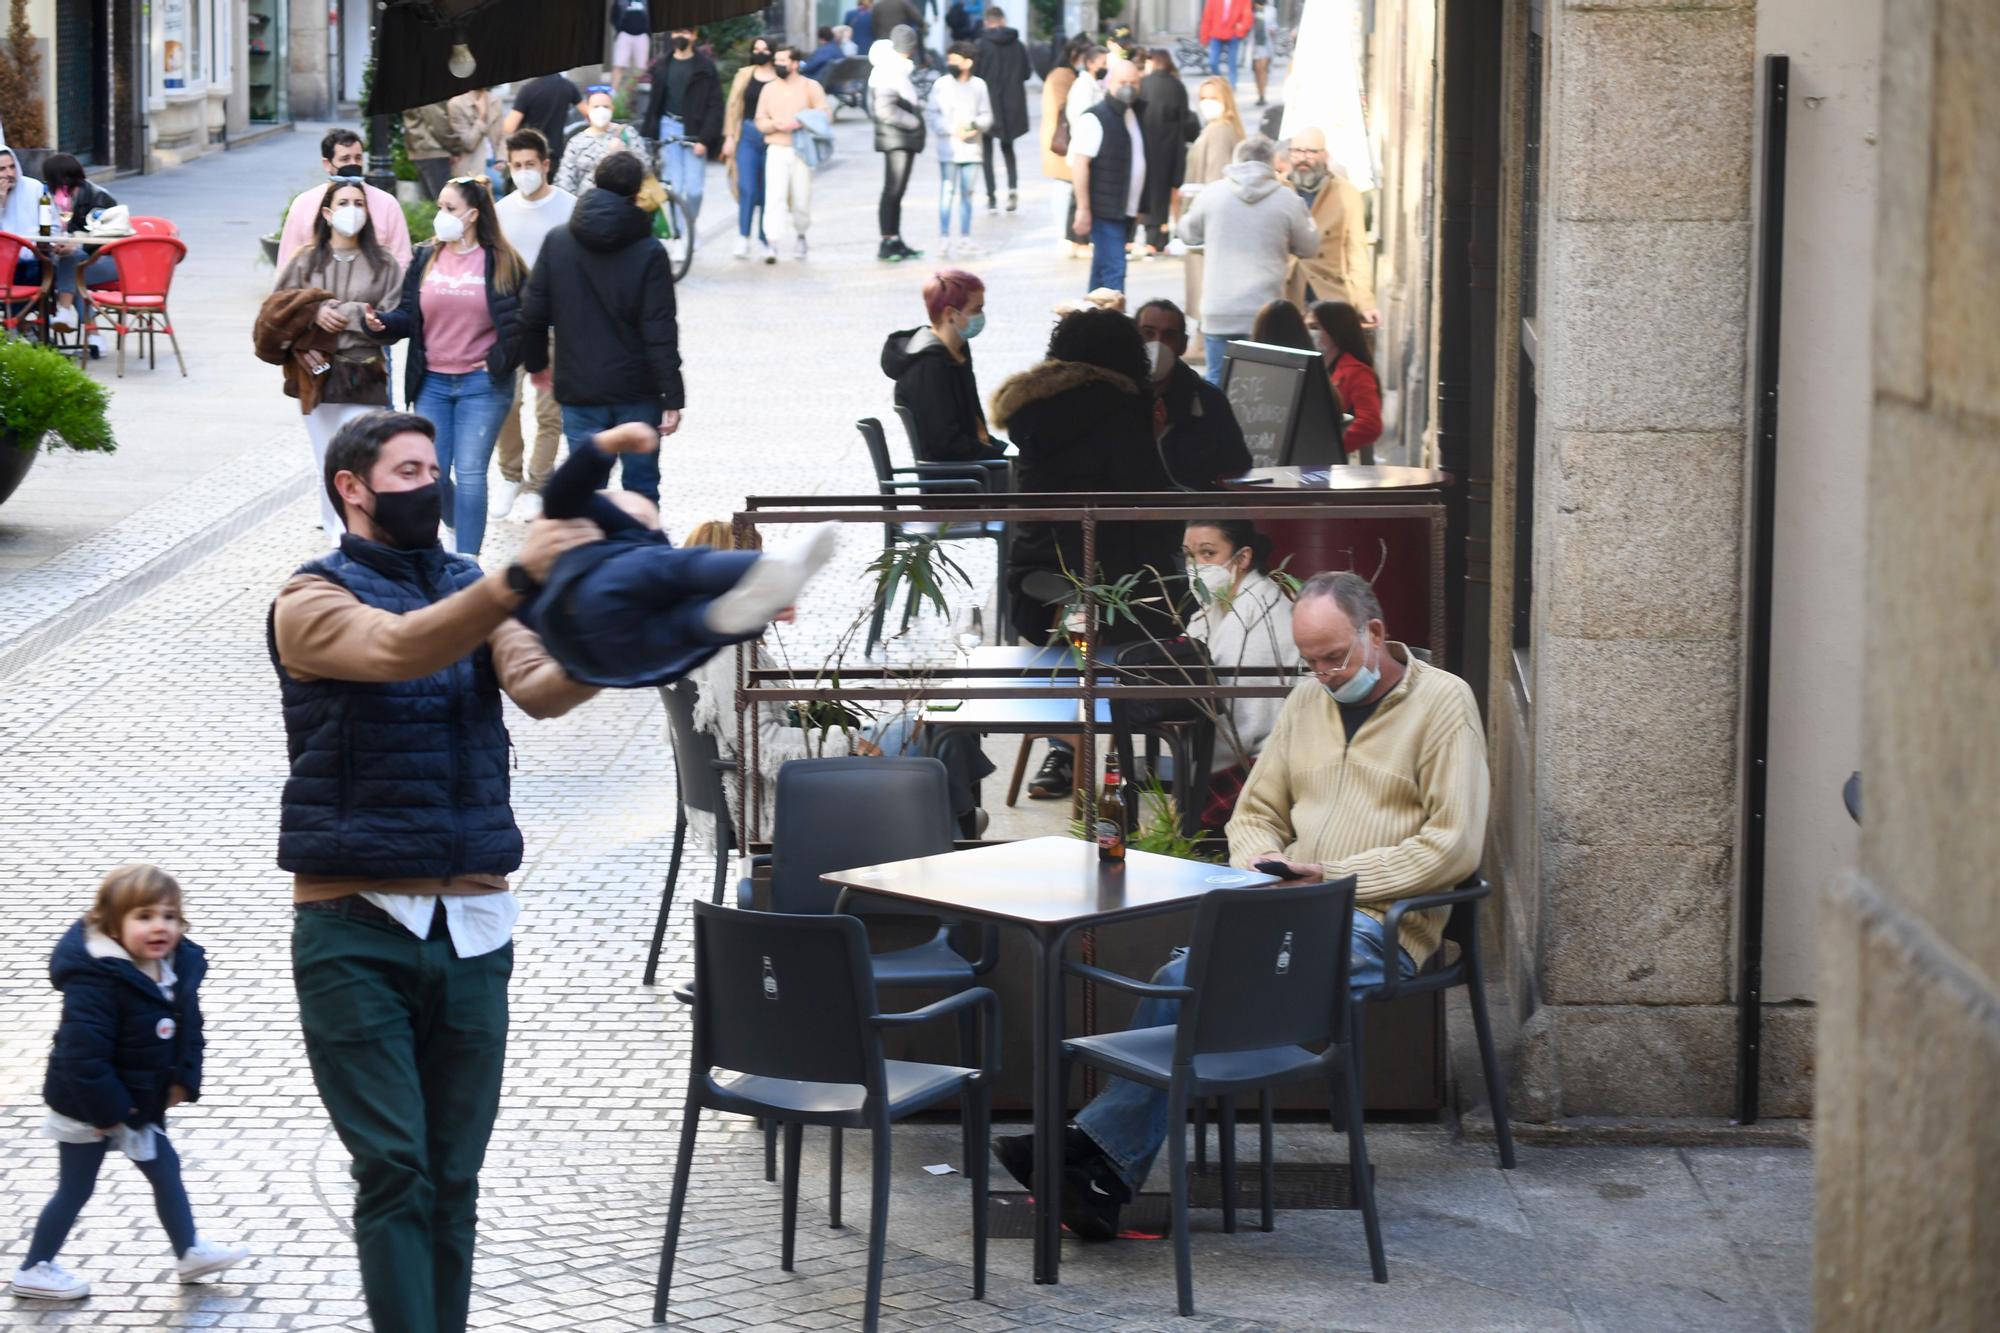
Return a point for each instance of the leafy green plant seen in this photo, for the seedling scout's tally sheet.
(1159, 830)
(421, 215)
(45, 401)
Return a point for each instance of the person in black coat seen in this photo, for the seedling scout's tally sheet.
(466, 394)
(932, 368)
(128, 1049)
(1201, 442)
(1168, 125)
(604, 286)
(1002, 62)
(685, 105)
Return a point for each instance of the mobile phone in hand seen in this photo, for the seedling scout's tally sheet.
(1278, 868)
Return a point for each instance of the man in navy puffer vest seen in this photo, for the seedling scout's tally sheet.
(391, 655)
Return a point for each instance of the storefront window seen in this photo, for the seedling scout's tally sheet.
(180, 46)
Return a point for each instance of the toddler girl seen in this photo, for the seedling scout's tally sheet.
(129, 1048)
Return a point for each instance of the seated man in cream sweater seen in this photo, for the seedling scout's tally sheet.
(1376, 768)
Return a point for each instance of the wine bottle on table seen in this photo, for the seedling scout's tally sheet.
(48, 214)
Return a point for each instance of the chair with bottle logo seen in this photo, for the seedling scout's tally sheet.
(138, 302)
(1265, 1003)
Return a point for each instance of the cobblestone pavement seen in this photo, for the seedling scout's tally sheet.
(147, 729)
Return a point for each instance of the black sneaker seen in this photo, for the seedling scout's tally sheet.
(889, 251)
(1092, 1196)
(1055, 779)
(992, 204)
(906, 251)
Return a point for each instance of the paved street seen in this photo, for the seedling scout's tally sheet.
(138, 720)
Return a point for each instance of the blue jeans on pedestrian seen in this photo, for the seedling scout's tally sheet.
(1108, 237)
(1128, 1120)
(961, 177)
(684, 172)
(1221, 49)
(750, 181)
(77, 1178)
(637, 472)
(1216, 347)
(467, 411)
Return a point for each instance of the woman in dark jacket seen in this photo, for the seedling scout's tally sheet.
(1082, 421)
(460, 311)
(897, 109)
(1002, 61)
(932, 367)
(1168, 125)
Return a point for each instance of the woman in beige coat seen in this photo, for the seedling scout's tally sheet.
(475, 120)
(1221, 131)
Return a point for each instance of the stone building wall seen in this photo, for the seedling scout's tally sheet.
(1909, 1040)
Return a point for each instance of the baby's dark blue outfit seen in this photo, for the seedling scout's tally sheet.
(627, 611)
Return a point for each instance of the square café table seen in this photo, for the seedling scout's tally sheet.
(1052, 887)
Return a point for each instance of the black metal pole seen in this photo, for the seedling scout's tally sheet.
(381, 164)
(1757, 692)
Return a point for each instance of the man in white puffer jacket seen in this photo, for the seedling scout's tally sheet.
(1249, 226)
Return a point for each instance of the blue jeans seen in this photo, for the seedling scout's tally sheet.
(684, 171)
(638, 472)
(78, 1178)
(467, 411)
(1219, 50)
(960, 175)
(1216, 346)
(1107, 252)
(750, 181)
(1128, 1120)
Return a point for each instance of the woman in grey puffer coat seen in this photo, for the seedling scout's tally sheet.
(898, 111)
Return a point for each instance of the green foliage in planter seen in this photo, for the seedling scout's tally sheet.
(730, 40)
(46, 400)
(421, 215)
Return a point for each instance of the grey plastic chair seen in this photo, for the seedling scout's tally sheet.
(700, 785)
(788, 1004)
(1266, 985)
(928, 479)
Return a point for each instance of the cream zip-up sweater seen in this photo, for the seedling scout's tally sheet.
(1402, 807)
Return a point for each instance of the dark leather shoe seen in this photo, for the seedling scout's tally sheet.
(1055, 779)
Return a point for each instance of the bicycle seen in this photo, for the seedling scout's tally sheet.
(674, 229)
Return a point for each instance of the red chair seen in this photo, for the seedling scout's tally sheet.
(154, 227)
(13, 293)
(138, 304)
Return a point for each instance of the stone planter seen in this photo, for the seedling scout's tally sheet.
(270, 244)
(14, 463)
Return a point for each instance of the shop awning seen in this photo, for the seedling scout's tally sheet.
(508, 40)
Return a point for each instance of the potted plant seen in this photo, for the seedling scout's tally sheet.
(45, 402)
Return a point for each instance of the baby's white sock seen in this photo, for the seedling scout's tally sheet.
(771, 585)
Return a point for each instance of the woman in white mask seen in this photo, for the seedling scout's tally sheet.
(594, 142)
(345, 259)
(1208, 157)
(1243, 617)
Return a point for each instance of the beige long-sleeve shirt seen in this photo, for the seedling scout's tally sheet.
(1401, 807)
(324, 632)
(780, 103)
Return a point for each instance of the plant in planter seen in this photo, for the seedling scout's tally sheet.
(45, 402)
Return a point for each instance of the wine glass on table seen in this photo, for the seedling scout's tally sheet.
(969, 632)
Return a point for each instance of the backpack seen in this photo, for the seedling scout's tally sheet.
(637, 12)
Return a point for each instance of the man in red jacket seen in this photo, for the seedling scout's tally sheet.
(1224, 25)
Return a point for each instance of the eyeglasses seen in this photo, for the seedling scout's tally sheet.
(1322, 673)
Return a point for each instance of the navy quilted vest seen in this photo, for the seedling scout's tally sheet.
(405, 779)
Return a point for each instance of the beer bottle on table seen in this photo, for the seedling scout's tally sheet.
(1111, 814)
(48, 215)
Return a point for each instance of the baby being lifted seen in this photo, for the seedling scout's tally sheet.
(634, 610)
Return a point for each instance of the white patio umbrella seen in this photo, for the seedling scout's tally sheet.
(1323, 87)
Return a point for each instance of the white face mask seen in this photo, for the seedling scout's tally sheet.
(600, 116)
(449, 227)
(349, 219)
(527, 182)
(1215, 578)
(1161, 358)
(1211, 109)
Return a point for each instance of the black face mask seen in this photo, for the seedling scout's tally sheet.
(760, 57)
(782, 71)
(682, 43)
(408, 520)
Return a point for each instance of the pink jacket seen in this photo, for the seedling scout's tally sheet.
(383, 210)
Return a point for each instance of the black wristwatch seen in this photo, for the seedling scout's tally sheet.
(521, 582)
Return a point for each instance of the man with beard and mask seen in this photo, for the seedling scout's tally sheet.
(1200, 440)
(342, 153)
(392, 655)
(1375, 768)
(1108, 169)
(1343, 269)
(603, 284)
(1250, 228)
(685, 108)
(1003, 62)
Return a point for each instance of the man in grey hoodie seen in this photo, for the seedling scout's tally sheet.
(1249, 227)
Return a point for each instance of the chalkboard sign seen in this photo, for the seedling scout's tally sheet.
(1284, 404)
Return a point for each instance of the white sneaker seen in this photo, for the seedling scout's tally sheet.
(969, 250)
(944, 248)
(800, 248)
(530, 506)
(766, 253)
(741, 250)
(46, 1282)
(501, 502)
(64, 317)
(205, 1257)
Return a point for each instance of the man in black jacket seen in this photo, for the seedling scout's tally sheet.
(604, 285)
(685, 114)
(1003, 62)
(1201, 442)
